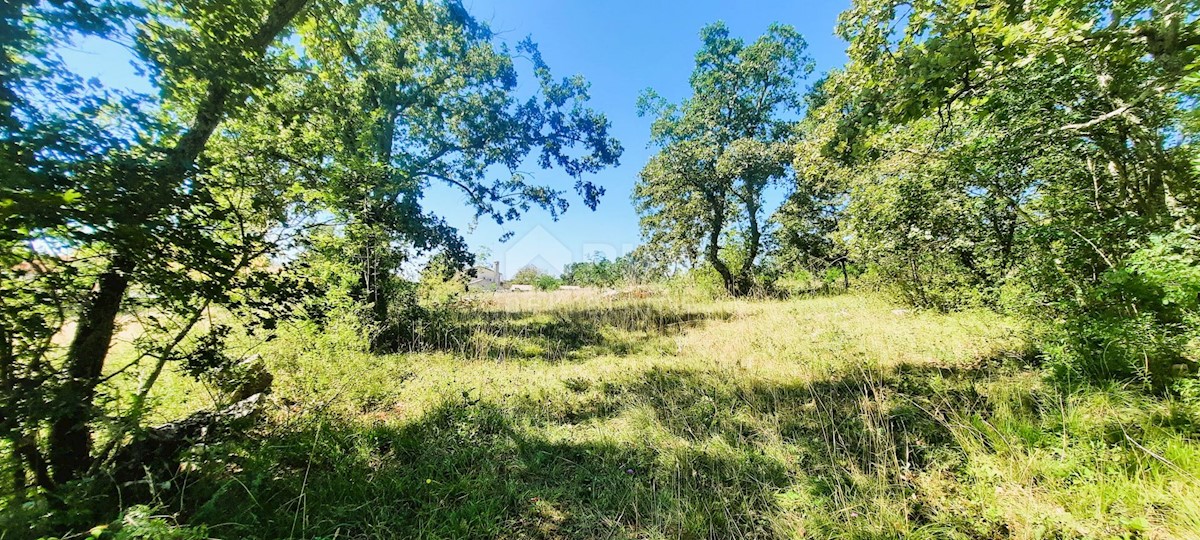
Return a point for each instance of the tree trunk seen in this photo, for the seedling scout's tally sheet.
(713, 251)
(373, 286)
(26, 455)
(19, 481)
(70, 434)
(745, 278)
(374, 273)
(70, 439)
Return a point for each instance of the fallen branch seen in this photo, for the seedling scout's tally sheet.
(155, 451)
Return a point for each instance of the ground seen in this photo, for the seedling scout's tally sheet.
(656, 415)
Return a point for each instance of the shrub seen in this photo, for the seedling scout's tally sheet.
(527, 275)
(546, 283)
(141, 522)
(1142, 319)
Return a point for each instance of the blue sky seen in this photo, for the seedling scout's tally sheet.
(622, 47)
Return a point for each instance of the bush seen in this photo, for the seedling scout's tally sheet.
(797, 281)
(596, 272)
(527, 275)
(698, 284)
(927, 281)
(1142, 319)
(546, 283)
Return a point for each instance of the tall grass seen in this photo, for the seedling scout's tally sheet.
(576, 415)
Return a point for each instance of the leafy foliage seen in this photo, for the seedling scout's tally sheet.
(527, 275)
(1018, 155)
(721, 148)
(285, 141)
(1032, 157)
(420, 93)
(128, 202)
(547, 283)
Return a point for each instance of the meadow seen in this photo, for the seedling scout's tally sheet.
(657, 414)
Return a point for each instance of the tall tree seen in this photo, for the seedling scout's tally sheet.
(116, 194)
(806, 233)
(420, 93)
(1039, 145)
(720, 149)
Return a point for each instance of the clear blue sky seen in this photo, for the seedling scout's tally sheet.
(621, 47)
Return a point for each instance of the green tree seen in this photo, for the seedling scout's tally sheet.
(547, 283)
(110, 193)
(719, 149)
(807, 226)
(528, 275)
(597, 271)
(1035, 146)
(420, 93)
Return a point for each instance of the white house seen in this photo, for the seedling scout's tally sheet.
(486, 279)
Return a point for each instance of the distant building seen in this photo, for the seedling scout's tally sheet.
(486, 279)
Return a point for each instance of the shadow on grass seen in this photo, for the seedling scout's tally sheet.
(711, 456)
(471, 471)
(747, 451)
(555, 335)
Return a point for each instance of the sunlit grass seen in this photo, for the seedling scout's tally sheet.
(578, 415)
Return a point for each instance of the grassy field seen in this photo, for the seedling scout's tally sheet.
(572, 415)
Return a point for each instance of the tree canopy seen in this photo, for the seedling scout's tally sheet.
(721, 148)
(279, 131)
(1033, 158)
(1021, 155)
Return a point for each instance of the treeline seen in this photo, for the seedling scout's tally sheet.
(277, 170)
(1035, 157)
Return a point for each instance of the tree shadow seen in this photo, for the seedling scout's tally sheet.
(471, 469)
(850, 439)
(715, 456)
(576, 333)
